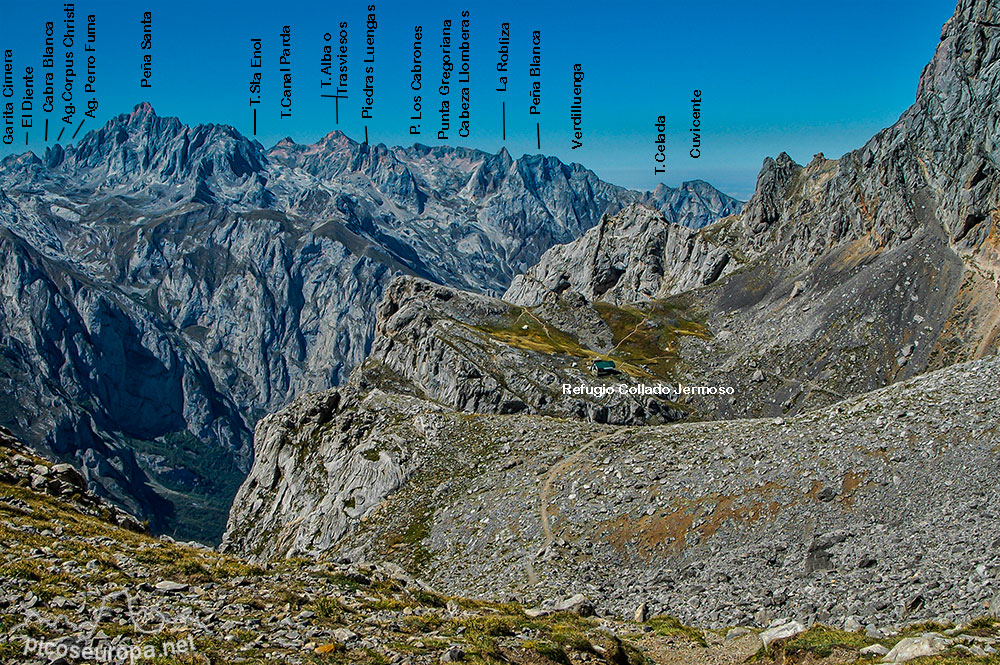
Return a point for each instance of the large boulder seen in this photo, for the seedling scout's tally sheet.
(928, 644)
(781, 631)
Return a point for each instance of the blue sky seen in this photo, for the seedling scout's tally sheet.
(799, 77)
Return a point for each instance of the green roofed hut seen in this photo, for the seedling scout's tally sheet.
(603, 367)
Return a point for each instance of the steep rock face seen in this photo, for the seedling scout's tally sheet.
(169, 285)
(933, 172)
(631, 257)
(81, 360)
(842, 275)
(326, 461)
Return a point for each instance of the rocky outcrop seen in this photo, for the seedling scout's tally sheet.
(324, 463)
(478, 354)
(635, 256)
(327, 460)
(934, 172)
(20, 467)
(168, 285)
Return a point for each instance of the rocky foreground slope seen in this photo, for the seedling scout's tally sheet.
(71, 581)
(883, 507)
(166, 285)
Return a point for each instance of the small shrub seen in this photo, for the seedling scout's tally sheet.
(428, 599)
(822, 641)
(549, 651)
(669, 626)
(492, 626)
(485, 647)
(327, 608)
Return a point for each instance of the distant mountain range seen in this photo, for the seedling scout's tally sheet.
(167, 285)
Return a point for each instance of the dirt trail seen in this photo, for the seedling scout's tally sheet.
(634, 331)
(667, 651)
(545, 491)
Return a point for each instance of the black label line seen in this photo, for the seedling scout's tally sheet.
(78, 129)
(503, 116)
(46, 129)
(538, 134)
(336, 105)
(59, 138)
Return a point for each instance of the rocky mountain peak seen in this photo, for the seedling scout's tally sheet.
(693, 203)
(764, 207)
(142, 113)
(140, 150)
(336, 136)
(328, 156)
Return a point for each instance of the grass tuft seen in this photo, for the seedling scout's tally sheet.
(668, 626)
